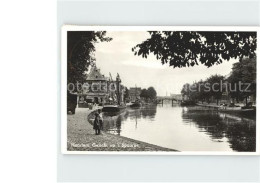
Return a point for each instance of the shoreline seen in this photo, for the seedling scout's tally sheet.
(81, 137)
(212, 106)
(248, 116)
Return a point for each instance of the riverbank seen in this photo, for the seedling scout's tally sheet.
(81, 137)
(215, 106)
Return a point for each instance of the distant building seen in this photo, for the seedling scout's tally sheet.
(134, 93)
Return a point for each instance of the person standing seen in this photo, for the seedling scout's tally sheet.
(100, 119)
(96, 125)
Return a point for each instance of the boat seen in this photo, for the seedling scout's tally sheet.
(113, 108)
(187, 103)
(136, 104)
(237, 109)
(115, 104)
(129, 104)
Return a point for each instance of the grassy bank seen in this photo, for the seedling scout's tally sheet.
(81, 137)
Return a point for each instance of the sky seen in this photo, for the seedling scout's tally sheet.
(116, 56)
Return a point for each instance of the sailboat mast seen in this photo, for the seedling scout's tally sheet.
(118, 81)
(135, 92)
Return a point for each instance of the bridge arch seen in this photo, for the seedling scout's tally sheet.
(160, 100)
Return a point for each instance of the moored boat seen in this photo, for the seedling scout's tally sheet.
(187, 103)
(129, 104)
(116, 103)
(136, 104)
(237, 109)
(113, 108)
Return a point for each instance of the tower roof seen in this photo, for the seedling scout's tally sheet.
(95, 74)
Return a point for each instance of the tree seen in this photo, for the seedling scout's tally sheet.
(80, 53)
(188, 48)
(203, 94)
(144, 94)
(243, 74)
(185, 89)
(191, 91)
(216, 86)
(151, 93)
(203, 90)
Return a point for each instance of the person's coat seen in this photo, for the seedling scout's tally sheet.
(96, 124)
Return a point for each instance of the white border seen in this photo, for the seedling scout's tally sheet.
(66, 28)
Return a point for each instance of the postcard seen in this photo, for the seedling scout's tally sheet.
(159, 90)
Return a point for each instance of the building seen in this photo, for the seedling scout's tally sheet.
(99, 89)
(134, 94)
(94, 89)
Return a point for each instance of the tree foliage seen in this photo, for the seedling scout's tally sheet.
(239, 85)
(204, 90)
(144, 93)
(149, 93)
(244, 72)
(80, 52)
(216, 83)
(189, 48)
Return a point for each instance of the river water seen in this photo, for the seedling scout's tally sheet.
(185, 128)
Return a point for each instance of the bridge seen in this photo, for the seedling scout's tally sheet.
(174, 98)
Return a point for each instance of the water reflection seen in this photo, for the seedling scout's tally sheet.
(112, 124)
(241, 132)
(185, 129)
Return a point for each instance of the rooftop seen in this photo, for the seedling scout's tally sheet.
(95, 74)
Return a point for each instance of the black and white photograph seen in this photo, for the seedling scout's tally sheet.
(130, 91)
(159, 90)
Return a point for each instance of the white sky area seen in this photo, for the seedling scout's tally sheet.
(116, 56)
